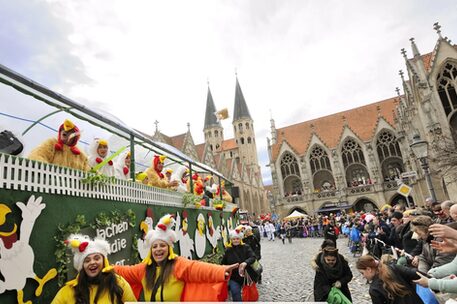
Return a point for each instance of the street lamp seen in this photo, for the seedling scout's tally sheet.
(420, 150)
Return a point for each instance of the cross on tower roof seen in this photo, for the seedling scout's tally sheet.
(397, 90)
(403, 52)
(157, 125)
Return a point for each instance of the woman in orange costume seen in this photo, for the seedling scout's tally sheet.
(163, 276)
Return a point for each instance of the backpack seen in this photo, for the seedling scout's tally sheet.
(9, 144)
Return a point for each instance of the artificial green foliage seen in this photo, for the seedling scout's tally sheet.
(213, 258)
(189, 198)
(60, 253)
(96, 179)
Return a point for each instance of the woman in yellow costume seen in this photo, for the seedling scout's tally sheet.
(163, 276)
(156, 177)
(96, 281)
(225, 195)
(62, 151)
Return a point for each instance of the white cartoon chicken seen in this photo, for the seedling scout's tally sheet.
(145, 226)
(16, 256)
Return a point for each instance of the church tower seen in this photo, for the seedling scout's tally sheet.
(243, 128)
(214, 134)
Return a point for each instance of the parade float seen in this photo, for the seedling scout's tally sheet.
(41, 203)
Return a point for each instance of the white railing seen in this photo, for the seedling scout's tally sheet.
(22, 174)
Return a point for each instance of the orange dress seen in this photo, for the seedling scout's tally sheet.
(190, 281)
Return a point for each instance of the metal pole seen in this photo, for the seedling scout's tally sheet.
(191, 182)
(132, 157)
(428, 178)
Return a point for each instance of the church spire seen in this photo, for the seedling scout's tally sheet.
(210, 117)
(241, 109)
(414, 47)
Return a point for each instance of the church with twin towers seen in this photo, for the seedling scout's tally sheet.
(236, 158)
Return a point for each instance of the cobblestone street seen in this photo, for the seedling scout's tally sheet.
(288, 275)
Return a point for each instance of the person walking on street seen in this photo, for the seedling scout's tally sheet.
(239, 254)
(332, 270)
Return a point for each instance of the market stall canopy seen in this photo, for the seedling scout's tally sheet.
(295, 215)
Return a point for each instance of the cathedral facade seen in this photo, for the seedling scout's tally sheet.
(357, 159)
(236, 158)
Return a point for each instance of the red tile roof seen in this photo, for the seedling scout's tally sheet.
(178, 141)
(200, 150)
(229, 144)
(362, 121)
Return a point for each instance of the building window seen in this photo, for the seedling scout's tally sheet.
(352, 153)
(240, 127)
(249, 140)
(389, 155)
(319, 160)
(211, 147)
(321, 170)
(231, 154)
(447, 84)
(216, 133)
(209, 134)
(247, 126)
(217, 146)
(354, 164)
(242, 140)
(289, 165)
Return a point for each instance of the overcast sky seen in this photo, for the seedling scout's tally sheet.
(148, 60)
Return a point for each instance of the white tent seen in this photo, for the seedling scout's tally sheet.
(295, 215)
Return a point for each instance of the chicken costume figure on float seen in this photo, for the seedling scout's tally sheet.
(63, 150)
(155, 176)
(98, 151)
(165, 277)
(182, 175)
(122, 166)
(225, 195)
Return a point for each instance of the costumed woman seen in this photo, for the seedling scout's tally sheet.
(238, 252)
(155, 176)
(164, 276)
(122, 166)
(98, 151)
(389, 283)
(225, 195)
(332, 270)
(63, 150)
(182, 175)
(96, 281)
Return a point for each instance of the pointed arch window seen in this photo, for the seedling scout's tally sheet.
(319, 160)
(321, 170)
(242, 140)
(217, 146)
(354, 164)
(289, 165)
(240, 127)
(249, 140)
(389, 154)
(247, 126)
(447, 84)
(352, 153)
(216, 133)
